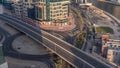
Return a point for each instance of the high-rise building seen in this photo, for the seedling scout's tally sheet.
(1, 9)
(18, 8)
(52, 10)
(3, 64)
(44, 10)
(2, 1)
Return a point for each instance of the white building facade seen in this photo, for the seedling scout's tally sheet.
(49, 10)
(113, 51)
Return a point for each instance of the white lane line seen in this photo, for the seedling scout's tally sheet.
(55, 44)
(72, 46)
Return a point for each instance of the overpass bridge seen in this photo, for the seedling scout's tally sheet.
(66, 51)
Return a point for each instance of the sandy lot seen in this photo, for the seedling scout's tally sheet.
(26, 45)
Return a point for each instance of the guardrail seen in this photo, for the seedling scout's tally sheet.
(55, 48)
(113, 17)
(77, 60)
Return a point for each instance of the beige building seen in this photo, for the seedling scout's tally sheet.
(44, 10)
(113, 55)
(59, 10)
(52, 10)
(18, 8)
(21, 6)
(111, 49)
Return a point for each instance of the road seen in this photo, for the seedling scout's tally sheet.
(6, 39)
(66, 51)
(9, 51)
(3, 35)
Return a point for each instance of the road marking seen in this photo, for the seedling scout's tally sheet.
(75, 48)
(52, 42)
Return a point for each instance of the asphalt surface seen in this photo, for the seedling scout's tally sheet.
(59, 46)
(3, 35)
(9, 51)
(53, 46)
(67, 38)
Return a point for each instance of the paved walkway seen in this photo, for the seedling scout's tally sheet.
(66, 26)
(58, 26)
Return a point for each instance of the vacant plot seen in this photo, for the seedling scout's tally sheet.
(103, 30)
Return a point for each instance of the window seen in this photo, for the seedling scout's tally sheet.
(116, 53)
(109, 54)
(26, 0)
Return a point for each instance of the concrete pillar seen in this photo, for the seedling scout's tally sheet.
(3, 63)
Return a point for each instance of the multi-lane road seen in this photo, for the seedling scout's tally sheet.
(66, 51)
(3, 35)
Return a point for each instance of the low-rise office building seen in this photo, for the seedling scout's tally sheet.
(17, 10)
(113, 55)
(111, 49)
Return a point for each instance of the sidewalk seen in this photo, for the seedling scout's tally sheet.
(66, 26)
(59, 26)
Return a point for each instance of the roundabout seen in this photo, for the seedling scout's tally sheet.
(15, 50)
(3, 35)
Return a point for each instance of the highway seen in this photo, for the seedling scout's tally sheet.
(66, 51)
(3, 35)
(11, 52)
